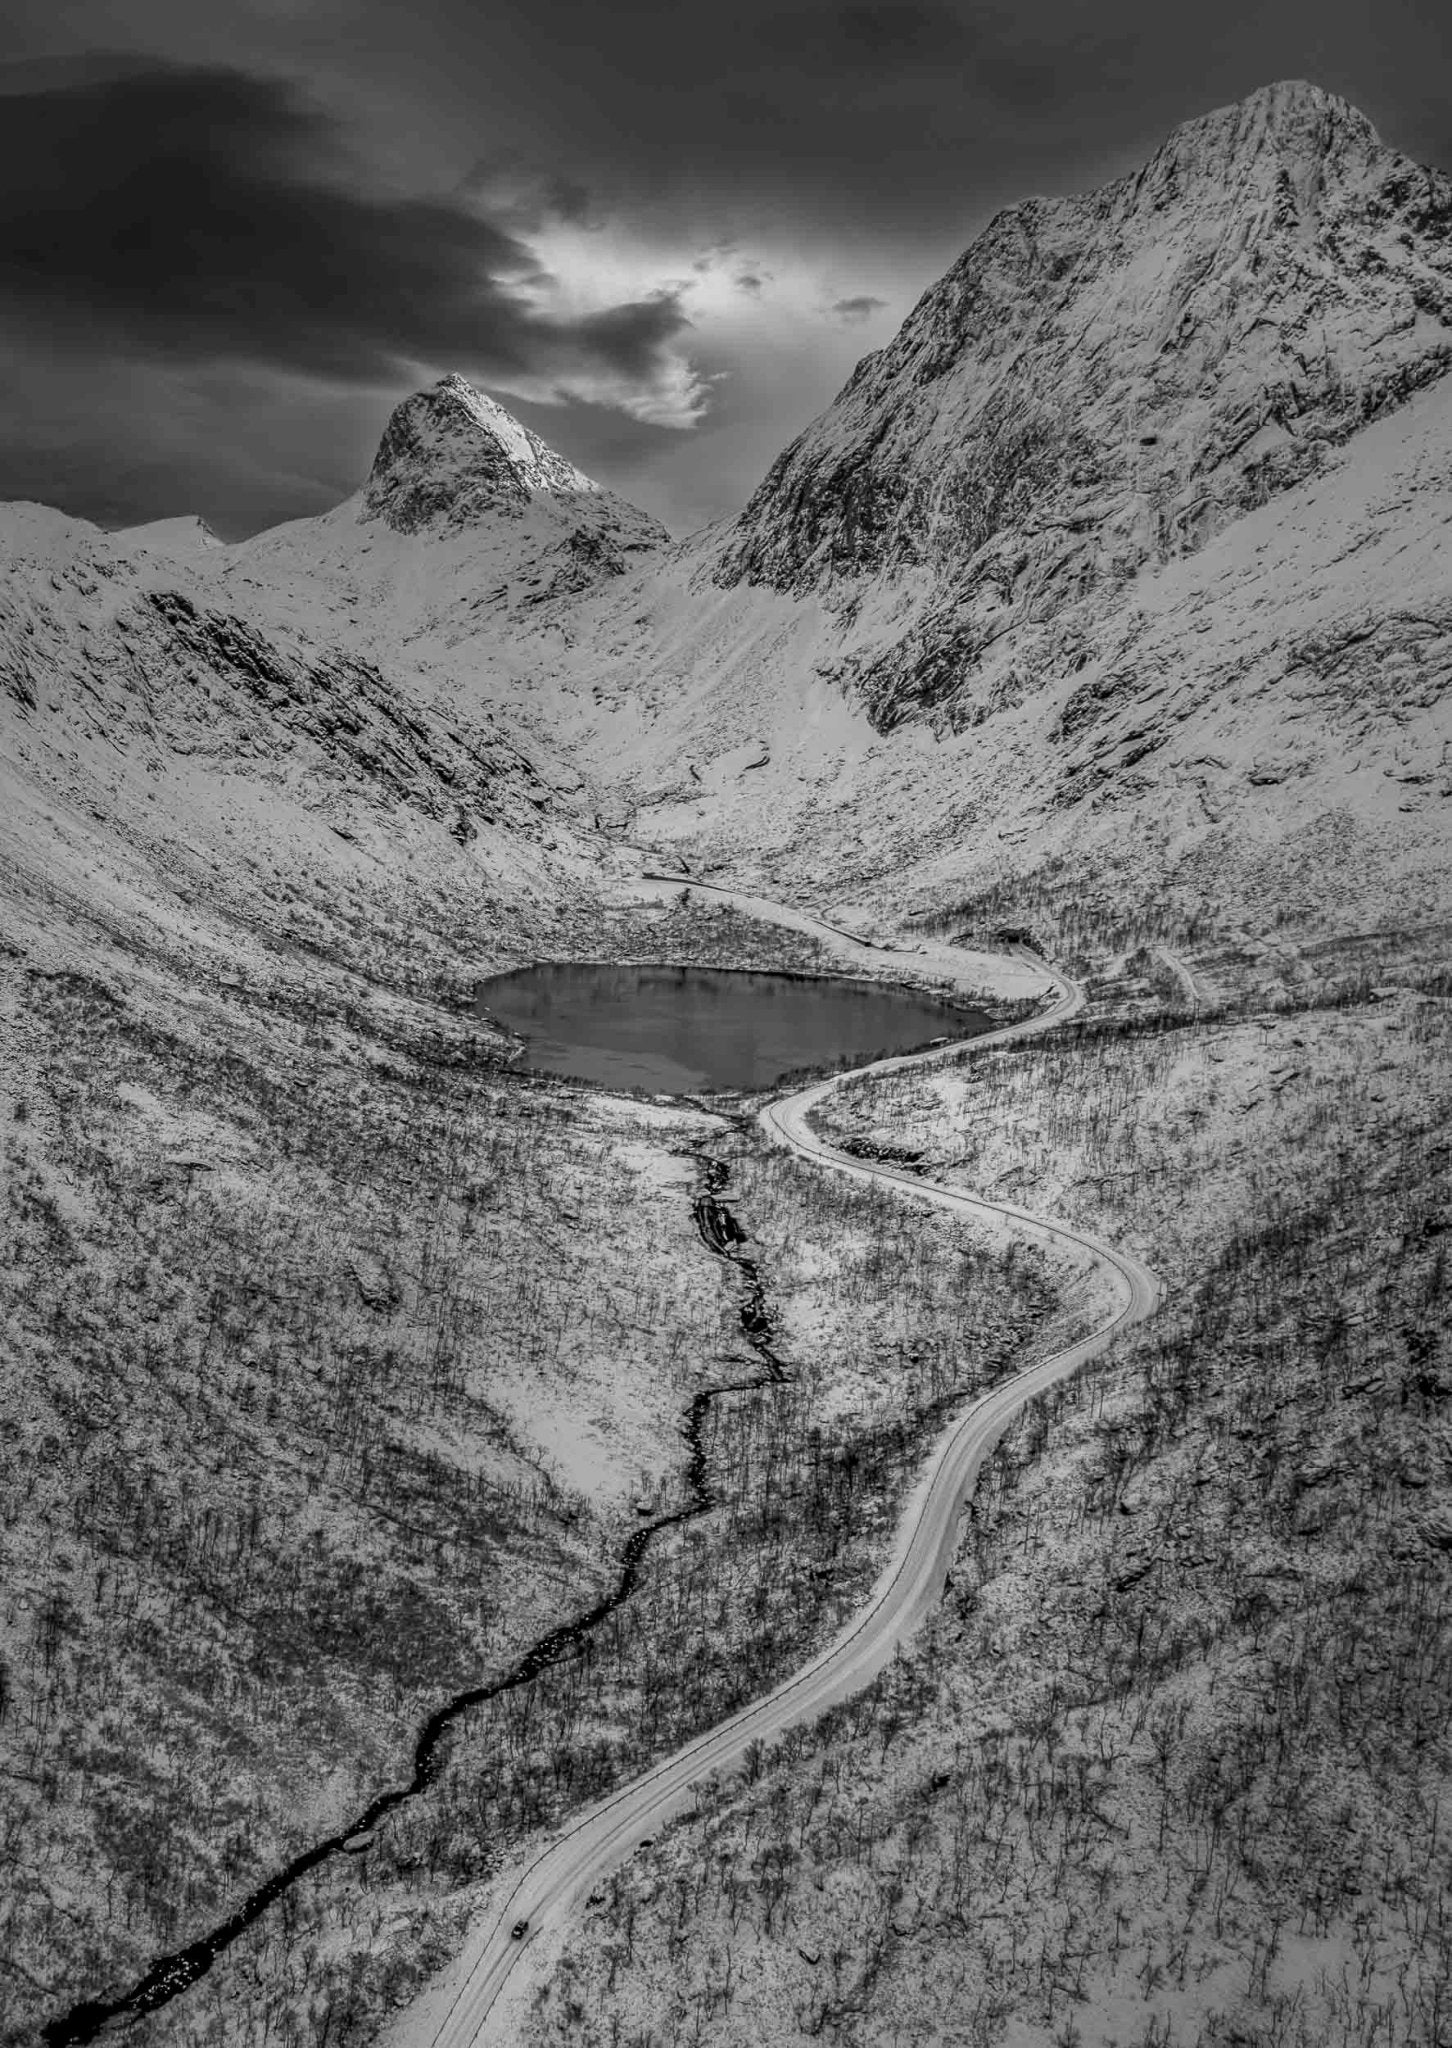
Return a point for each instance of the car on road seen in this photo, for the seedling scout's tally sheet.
(519, 1930)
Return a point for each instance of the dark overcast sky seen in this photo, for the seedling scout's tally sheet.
(233, 233)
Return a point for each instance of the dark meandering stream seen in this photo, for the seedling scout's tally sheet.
(667, 1029)
(172, 1974)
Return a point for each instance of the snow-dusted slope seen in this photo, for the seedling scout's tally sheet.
(1104, 381)
(318, 730)
(1265, 723)
(452, 455)
(1129, 552)
(182, 764)
(186, 534)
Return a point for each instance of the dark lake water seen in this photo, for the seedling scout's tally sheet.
(677, 1030)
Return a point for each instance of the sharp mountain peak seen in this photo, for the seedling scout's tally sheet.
(1291, 143)
(1288, 118)
(450, 455)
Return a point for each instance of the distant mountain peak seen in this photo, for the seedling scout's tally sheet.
(451, 455)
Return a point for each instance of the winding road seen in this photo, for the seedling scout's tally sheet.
(1184, 977)
(479, 1998)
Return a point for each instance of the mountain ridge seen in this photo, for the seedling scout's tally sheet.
(1107, 380)
(467, 517)
(450, 455)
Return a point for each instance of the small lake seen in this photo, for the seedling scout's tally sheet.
(682, 1030)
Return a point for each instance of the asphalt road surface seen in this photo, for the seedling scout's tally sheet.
(458, 2014)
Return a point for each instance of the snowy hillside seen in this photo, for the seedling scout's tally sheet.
(1129, 552)
(253, 732)
(179, 764)
(1109, 380)
(1263, 722)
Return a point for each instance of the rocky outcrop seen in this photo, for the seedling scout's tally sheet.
(1104, 381)
(451, 458)
(337, 716)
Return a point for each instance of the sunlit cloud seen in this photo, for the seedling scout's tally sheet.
(734, 302)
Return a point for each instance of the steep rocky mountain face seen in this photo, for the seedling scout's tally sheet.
(468, 520)
(1126, 561)
(451, 458)
(1101, 383)
(450, 455)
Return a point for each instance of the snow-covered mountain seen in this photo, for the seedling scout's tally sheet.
(1115, 593)
(1129, 553)
(468, 524)
(451, 456)
(1106, 381)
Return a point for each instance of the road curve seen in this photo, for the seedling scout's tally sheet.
(458, 2014)
(1184, 977)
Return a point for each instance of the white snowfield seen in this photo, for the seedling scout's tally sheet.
(483, 1996)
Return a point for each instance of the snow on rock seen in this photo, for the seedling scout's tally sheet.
(469, 528)
(184, 748)
(184, 535)
(450, 456)
(1268, 718)
(1107, 380)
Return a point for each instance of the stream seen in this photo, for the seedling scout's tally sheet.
(175, 1973)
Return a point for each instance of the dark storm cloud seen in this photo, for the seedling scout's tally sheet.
(860, 308)
(902, 118)
(829, 38)
(520, 196)
(202, 214)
